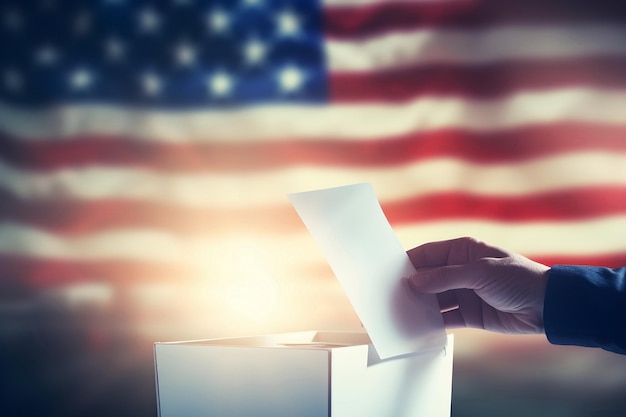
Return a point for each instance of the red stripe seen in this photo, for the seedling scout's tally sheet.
(81, 217)
(477, 81)
(74, 218)
(562, 205)
(383, 17)
(611, 260)
(39, 272)
(504, 146)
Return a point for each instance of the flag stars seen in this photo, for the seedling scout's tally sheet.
(12, 20)
(81, 79)
(184, 54)
(247, 51)
(254, 52)
(149, 21)
(46, 56)
(13, 80)
(288, 23)
(114, 49)
(82, 23)
(220, 84)
(290, 79)
(151, 84)
(218, 21)
(48, 5)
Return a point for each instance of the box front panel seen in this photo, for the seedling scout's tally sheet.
(220, 381)
(410, 386)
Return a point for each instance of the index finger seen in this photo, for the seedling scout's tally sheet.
(452, 252)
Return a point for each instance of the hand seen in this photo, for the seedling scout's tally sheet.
(481, 286)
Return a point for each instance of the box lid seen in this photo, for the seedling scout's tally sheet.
(370, 263)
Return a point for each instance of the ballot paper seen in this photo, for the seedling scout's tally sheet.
(370, 263)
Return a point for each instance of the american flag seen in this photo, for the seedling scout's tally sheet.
(147, 147)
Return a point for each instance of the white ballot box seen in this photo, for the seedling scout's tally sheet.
(307, 374)
(400, 367)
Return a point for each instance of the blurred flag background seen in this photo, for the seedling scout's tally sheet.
(147, 147)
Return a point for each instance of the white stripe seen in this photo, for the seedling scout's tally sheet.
(449, 46)
(269, 188)
(293, 123)
(585, 238)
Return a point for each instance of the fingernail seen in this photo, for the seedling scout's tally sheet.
(419, 279)
(408, 282)
(414, 280)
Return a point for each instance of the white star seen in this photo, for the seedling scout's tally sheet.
(13, 80)
(82, 23)
(149, 21)
(114, 49)
(288, 23)
(254, 52)
(151, 84)
(48, 5)
(81, 79)
(220, 84)
(290, 79)
(218, 21)
(12, 20)
(46, 55)
(185, 54)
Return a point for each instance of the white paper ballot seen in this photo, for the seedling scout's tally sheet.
(369, 261)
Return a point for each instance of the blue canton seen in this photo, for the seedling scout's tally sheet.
(174, 53)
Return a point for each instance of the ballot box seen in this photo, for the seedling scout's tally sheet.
(305, 374)
(400, 366)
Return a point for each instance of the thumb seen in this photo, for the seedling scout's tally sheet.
(441, 279)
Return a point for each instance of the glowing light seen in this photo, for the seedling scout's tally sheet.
(242, 282)
(252, 296)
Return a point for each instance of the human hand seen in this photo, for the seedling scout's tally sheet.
(481, 286)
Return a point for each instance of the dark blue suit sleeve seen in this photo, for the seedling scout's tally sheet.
(586, 306)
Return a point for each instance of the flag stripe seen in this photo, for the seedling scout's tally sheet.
(79, 218)
(609, 260)
(502, 146)
(477, 81)
(592, 237)
(228, 190)
(587, 238)
(51, 273)
(360, 122)
(431, 47)
(343, 20)
(560, 205)
(45, 272)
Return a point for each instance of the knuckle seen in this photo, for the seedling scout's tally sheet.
(483, 264)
